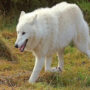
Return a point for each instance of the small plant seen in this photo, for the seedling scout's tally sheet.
(88, 81)
(5, 51)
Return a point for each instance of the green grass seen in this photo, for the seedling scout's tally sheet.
(85, 5)
(8, 22)
(14, 75)
(76, 74)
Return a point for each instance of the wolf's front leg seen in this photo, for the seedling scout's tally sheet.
(37, 68)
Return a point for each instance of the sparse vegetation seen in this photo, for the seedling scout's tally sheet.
(76, 74)
(15, 75)
(5, 51)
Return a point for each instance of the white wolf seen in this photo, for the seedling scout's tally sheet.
(47, 31)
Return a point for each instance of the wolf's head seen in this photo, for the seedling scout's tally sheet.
(25, 30)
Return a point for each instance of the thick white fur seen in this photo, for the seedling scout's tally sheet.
(49, 31)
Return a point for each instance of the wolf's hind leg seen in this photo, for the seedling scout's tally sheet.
(60, 63)
(83, 47)
(48, 62)
(82, 43)
(48, 67)
(61, 59)
(88, 54)
(59, 68)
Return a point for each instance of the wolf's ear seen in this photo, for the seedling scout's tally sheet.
(34, 19)
(22, 13)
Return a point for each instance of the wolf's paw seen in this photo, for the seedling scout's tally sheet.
(56, 69)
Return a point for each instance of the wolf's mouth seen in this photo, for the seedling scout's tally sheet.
(23, 45)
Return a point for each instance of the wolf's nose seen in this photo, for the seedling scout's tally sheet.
(16, 46)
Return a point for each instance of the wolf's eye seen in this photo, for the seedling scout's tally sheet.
(23, 33)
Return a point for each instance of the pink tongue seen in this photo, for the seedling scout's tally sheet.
(22, 48)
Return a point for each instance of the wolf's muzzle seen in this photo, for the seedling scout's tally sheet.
(16, 46)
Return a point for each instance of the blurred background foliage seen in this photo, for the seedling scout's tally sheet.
(10, 9)
(6, 6)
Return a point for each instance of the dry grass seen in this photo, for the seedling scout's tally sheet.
(5, 51)
(14, 76)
